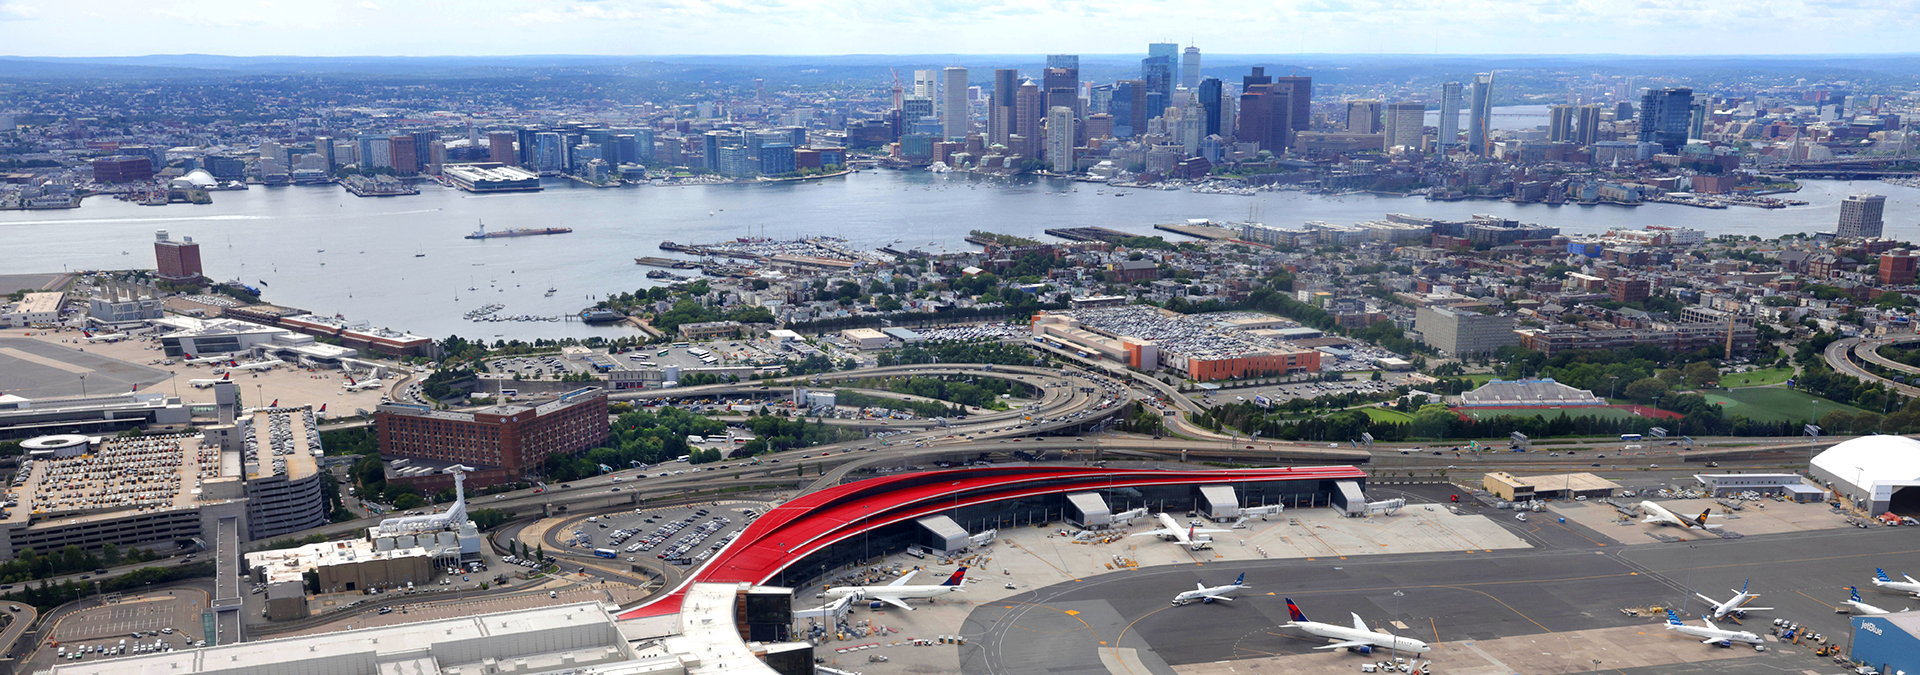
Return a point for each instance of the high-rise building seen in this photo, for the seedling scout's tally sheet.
(1190, 69)
(500, 148)
(1480, 114)
(1665, 117)
(550, 150)
(1171, 51)
(1060, 134)
(1099, 125)
(378, 153)
(1157, 72)
(1300, 93)
(1449, 116)
(1028, 114)
(1697, 122)
(1209, 96)
(403, 155)
(925, 84)
(1404, 124)
(954, 115)
(323, 146)
(176, 260)
(1897, 267)
(526, 147)
(1623, 111)
(1363, 116)
(1861, 216)
(1062, 87)
(1266, 112)
(1259, 76)
(1000, 105)
(1100, 99)
(1560, 123)
(1586, 131)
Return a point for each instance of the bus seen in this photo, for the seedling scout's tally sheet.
(605, 553)
(696, 351)
(664, 352)
(681, 344)
(1629, 437)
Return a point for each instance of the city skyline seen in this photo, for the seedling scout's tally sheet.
(686, 27)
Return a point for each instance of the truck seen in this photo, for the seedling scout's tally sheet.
(605, 553)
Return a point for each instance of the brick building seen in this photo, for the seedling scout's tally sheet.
(1628, 290)
(176, 260)
(1896, 267)
(515, 437)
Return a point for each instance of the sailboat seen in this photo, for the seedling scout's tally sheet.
(421, 253)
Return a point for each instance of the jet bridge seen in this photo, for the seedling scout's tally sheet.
(1088, 510)
(947, 536)
(1348, 498)
(1219, 503)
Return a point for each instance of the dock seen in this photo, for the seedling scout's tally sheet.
(669, 263)
(1213, 232)
(1090, 234)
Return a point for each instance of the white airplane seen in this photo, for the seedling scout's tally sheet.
(209, 359)
(1659, 515)
(260, 365)
(361, 385)
(1206, 595)
(1909, 586)
(1862, 607)
(203, 384)
(1734, 606)
(1188, 536)
(110, 337)
(1357, 638)
(1713, 634)
(897, 592)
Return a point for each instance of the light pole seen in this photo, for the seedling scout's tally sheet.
(1613, 382)
(1395, 625)
(83, 385)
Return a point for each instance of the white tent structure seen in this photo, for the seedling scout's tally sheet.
(1880, 472)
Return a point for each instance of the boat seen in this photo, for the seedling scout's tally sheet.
(600, 316)
(482, 233)
(656, 261)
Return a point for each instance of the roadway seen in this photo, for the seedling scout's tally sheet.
(1840, 353)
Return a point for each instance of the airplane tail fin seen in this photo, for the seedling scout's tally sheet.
(959, 577)
(1880, 574)
(1703, 516)
(1855, 590)
(1240, 580)
(1294, 613)
(323, 407)
(1672, 618)
(1743, 585)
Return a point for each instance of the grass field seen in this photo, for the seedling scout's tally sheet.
(1758, 378)
(1774, 404)
(1549, 413)
(1384, 415)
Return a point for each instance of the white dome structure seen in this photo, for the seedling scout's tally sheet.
(197, 178)
(1879, 472)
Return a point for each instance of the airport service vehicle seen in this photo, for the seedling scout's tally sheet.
(202, 384)
(1659, 515)
(361, 385)
(1862, 607)
(1712, 634)
(1909, 586)
(605, 553)
(1357, 638)
(897, 592)
(1189, 536)
(1734, 606)
(1205, 595)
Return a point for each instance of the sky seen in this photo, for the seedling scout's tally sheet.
(811, 27)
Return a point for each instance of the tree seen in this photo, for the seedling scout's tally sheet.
(110, 554)
(1672, 376)
(1433, 421)
(1701, 374)
(487, 519)
(1837, 422)
(1645, 389)
(409, 501)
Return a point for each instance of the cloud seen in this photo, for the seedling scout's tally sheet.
(368, 4)
(11, 11)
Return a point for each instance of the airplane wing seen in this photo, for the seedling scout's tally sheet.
(1755, 609)
(1710, 601)
(1155, 533)
(1910, 579)
(1198, 531)
(1221, 598)
(1359, 624)
(902, 581)
(893, 601)
(1347, 644)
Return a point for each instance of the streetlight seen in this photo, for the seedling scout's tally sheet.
(1613, 382)
(1395, 625)
(83, 385)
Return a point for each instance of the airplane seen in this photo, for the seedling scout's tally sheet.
(1909, 586)
(1659, 515)
(203, 384)
(897, 592)
(362, 385)
(1358, 638)
(260, 365)
(1188, 536)
(207, 359)
(109, 338)
(1713, 634)
(1862, 607)
(1207, 595)
(321, 413)
(1733, 605)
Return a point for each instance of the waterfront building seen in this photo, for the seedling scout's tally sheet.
(776, 159)
(122, 169)
(1587, 129)
(1266, 116)
(1666, 116)
(1300, 97)
(550, 152)
(176, 260)
(492, 177)
(1406, 123)
(401, 155)
(1861, 216)
(735, 162)
(1060, 134)
(1480, 114)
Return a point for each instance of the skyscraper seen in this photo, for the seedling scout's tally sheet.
(1449, 116)
(1062, 87)
(925, 85)
(1172, 52)
(1209, 96)
(1560, 123)
(1029, 112)
(957, 122)
(1190, 69)
(1300, 93)
(1480, 114)
(1404, 124)
(1697, 123)
(1259, 76)
(1363, 116)
(1000, 105)
(500, 148)
(176, 260)
(402, 155)
(1157, 72)
(1665, 117)
(1265, 116)
(1860, 216)
(1060, 135)
(550, 152)
(1587, 129)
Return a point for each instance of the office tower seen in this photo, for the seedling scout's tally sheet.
(1363, 117)
(1560, 123)
(500, 147)
(1157, 72)
(1300, 92)
(422, 145)
(1100, 99)
(1259, 76)
(401, 154)
(365, 153)
(1665, 115)
(436, 156)
(643, 146)
(1140, 105)
(915, 109)
(1060, 134)
(323, 146)
(1404, 124)
(1062, 87)
(1099, 125)
(1587, 130)
(525, 147)
(378, 153)
(1623, 111)
(925, 85)
(1860, 216)
(1171, 51)
(1068, 61)
(1029, 113)
(1266, 112)
(1190, 69)
(1449, 134)
(1209, 96)
(1001, 104)
(176, 260)
(954, 113)
(1697, 124)
(582, 154)
(1480, 114)
(271, 151)
(550, 150)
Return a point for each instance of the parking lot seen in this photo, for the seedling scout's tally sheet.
(676, 534)
(1281, 393)
(140, 624)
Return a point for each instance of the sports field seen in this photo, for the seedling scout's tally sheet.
(1484, 414)
(1775, 404)
(1385, 415)
(1757, 378)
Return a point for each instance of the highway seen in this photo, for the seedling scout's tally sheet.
(1840, 353)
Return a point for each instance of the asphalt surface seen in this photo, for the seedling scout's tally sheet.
(36, 369)
(1449, 597)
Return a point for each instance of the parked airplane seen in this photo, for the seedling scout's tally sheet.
(260, 365)
(362, 385)
(208, 359)
(1206, 595)
(203, 384)
(1861, 607)
(1733, 606)
(1189, 536)
(1909, 586)
(1358, 638)
(897, 592)
(109, 338)
(1659, 515)
(1713, 634)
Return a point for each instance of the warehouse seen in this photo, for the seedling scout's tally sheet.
(1889, 642)
(1878, 473)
